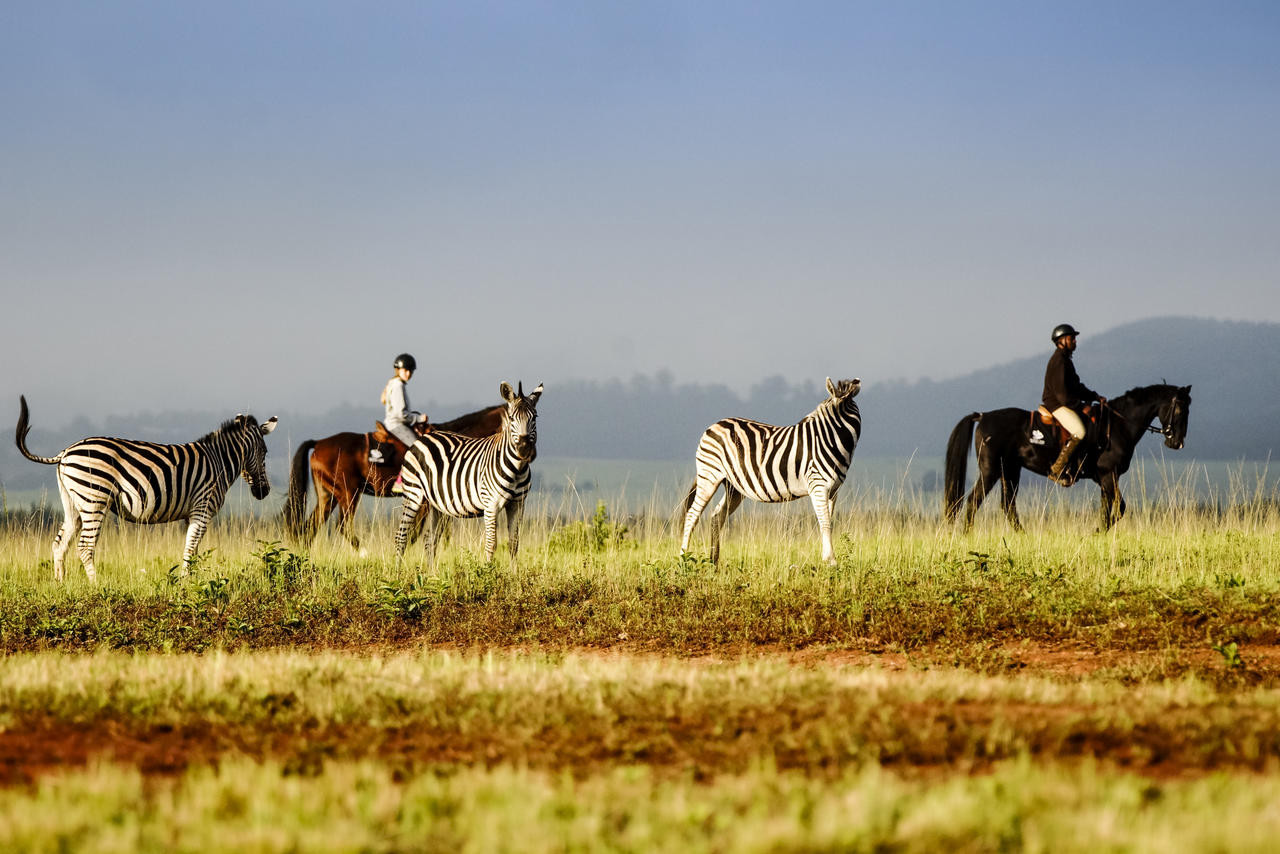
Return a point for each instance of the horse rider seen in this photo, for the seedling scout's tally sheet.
(1064, 396)
(399, 418)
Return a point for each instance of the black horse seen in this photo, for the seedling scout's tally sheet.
(1008, 441)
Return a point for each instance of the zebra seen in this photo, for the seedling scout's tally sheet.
(150, 483)
(447, 474)
(768, 463)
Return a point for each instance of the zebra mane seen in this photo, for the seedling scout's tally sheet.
(229, 426)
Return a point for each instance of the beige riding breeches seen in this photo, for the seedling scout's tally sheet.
(1070, 419)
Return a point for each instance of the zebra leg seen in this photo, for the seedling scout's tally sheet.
(730, 502)
(197, 525)
(515, 511)
(91, 524)
(409, 513)
(822, 509)
(68, 532)
(490, 532)
(430, 522)
(699, 500)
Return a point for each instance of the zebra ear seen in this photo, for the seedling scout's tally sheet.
(506, 392)
(831, 388)
(535, 394)
(269, 426)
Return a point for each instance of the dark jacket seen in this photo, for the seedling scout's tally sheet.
(1062, 386)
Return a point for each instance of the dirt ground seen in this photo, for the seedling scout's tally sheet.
(44, 746)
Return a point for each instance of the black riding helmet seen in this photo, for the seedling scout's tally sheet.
(404, 360)
(1062, 330)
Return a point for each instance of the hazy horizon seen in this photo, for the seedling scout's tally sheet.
(255, 207)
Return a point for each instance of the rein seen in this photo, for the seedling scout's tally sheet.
(1165, 431)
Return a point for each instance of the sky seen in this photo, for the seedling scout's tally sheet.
(254, 206)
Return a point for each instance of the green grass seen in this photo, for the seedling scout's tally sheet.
(611, 695)
(244, 806)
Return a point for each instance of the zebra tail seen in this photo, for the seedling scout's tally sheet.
(20, 437)
(299, 479)
(956, 465)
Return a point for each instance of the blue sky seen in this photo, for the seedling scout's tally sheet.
(255, 206)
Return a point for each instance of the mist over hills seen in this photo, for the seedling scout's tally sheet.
(1232, 366)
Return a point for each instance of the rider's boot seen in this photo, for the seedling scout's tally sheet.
(397, 488)
(1058, 471)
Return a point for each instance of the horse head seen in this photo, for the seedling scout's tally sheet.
(1173, 417)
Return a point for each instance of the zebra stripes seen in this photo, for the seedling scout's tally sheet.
(453, 475)
(767, 463)
(150, 483)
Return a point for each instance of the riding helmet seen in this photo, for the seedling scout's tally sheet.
(404, 360)
(1063, 329)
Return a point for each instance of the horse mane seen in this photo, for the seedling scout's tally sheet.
(1143, 390)
(463, 422)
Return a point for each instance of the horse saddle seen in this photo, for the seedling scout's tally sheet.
(1042, 417)
(382, 453)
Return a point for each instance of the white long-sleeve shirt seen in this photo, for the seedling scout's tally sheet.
(396, 400)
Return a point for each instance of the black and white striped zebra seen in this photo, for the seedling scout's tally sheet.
(150, 483)
(455, 475)
(768, 463)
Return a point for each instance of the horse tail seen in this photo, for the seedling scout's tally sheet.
(299, 480)
(20, 436)
(957, 462)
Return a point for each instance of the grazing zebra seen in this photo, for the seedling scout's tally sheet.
(767, 463)
(447, 474)
(150, 483)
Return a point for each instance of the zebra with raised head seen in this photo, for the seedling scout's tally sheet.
(767, 463)
(150, 483)
(453, 475)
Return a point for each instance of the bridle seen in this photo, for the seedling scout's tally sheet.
(1165, 429)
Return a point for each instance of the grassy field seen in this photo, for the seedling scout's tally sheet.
(1056, 690)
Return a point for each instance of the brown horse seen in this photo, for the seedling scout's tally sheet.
(340, 467)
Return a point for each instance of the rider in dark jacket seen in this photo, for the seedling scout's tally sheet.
(1064, 395)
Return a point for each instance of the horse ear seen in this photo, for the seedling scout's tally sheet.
(535, 394)
(505, 391)
(270, 425)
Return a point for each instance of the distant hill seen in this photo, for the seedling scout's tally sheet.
(1233, 368)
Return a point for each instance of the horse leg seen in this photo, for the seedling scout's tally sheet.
(1009, 480)
(984, 483)
(346, 514)
(1113, 505)
(720, 516)
(325, 502)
